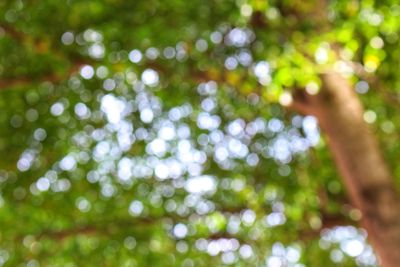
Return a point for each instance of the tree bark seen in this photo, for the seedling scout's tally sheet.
(356, 152)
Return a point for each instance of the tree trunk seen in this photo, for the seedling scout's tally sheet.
(356, 152)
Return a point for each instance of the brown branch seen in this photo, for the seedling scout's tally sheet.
(12, 32)
(368, 180)
(75, 61)
(103, 228)
(7, 83)
(60, 235)
(328, 221)
(108, 228)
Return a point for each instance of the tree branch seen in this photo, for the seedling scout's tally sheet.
(7, 83)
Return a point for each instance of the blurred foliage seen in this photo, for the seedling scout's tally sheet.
(154, 133)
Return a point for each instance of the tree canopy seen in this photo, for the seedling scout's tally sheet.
(162, 133)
